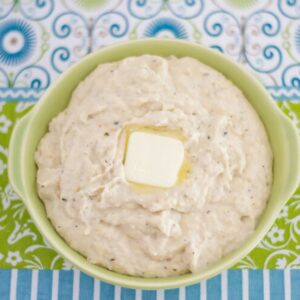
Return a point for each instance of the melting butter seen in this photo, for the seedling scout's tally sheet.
(163, 131)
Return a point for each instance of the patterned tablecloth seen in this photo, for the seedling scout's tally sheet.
(39, 39)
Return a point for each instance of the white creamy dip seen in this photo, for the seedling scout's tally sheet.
(159, 232)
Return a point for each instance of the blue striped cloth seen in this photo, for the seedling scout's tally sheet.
(231, 285)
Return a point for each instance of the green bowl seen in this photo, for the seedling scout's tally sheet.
(28, 132)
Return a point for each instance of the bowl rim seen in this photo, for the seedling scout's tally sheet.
(139, 282)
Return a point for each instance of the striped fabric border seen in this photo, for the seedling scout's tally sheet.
(75, 285)
(279, 93)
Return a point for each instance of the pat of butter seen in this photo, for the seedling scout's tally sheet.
(153, 159)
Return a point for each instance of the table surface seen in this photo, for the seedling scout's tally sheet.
(40, 39)
(232, 285)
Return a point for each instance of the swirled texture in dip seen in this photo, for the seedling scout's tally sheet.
(165, 231)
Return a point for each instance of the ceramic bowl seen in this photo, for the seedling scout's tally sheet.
(29, 130)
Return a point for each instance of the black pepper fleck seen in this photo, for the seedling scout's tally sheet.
(116, 123)
(208, 137)
(112, 259)
(244, 218)
(174, 269)
(208, 212)
(106, 134)
(64, 199)
(225, 133)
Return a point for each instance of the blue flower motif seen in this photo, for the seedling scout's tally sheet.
(297, 39)
(17, 41)
(165, 27)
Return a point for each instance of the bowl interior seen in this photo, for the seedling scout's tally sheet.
(57, 98)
